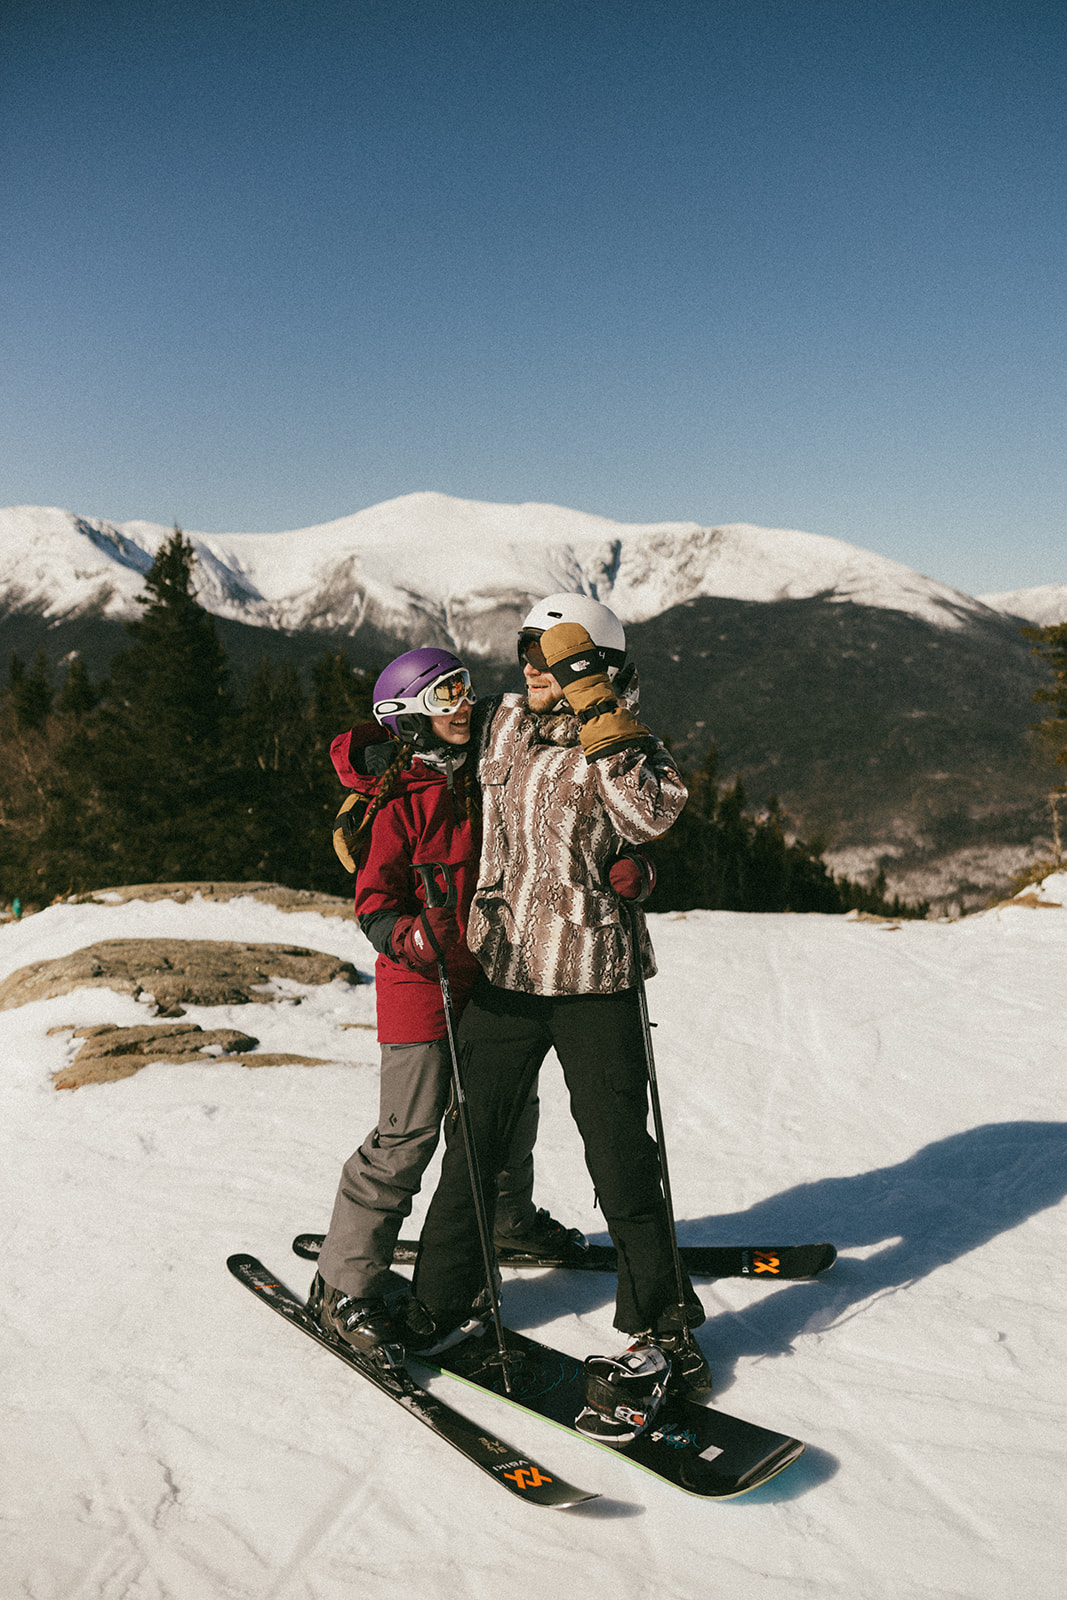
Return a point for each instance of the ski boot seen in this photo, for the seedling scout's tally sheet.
(624, 1394)
(673, 1334)
(690, 1373)
(544, 1237)
(364, 1324)
(428, 1334)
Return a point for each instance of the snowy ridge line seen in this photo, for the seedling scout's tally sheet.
(433, 568)
(1044, 606)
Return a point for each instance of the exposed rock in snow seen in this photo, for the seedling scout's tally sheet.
(110, 1053)
(275, 894)
(175, 972)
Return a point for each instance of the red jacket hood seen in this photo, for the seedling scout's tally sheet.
(361, 755)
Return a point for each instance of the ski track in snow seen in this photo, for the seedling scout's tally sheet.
(895, 1089)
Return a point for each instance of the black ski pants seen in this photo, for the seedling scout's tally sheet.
(504, 1037)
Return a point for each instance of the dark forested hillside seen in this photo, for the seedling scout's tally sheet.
(867, 724)
(165, 770)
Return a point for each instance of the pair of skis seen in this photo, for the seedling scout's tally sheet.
(511, 1469)
(699, 1260)
(698, 1449)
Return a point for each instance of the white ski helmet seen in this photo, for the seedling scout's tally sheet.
(602, 625)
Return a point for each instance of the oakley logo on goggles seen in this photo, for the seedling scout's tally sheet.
(444, 695)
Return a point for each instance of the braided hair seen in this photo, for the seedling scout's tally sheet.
(467, 800)
(383, 789)
(350, 836)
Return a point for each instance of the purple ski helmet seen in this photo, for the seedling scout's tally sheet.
(419, 685)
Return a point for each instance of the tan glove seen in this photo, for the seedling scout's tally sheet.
(581, 672)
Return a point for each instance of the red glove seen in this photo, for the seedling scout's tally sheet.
(633, 877)
(420, 942)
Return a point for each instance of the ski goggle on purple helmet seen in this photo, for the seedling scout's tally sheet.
(430, 682)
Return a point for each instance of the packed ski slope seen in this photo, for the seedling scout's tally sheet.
(898, 1090)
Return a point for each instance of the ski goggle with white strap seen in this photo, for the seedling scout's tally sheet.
(439, 698)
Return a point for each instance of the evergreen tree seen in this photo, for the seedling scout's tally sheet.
(284, 743)
(25, 771)
(770, 882)
(1050, 646)
(342, 696)
(77, 697)
(31, 692)
(277, 753)
(152, 786)
(35, 727)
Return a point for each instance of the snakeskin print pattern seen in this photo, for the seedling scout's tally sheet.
(544, 920)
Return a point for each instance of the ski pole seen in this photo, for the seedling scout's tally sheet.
(445, 897)
(631, 903)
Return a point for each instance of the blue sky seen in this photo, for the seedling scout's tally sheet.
(792, 262)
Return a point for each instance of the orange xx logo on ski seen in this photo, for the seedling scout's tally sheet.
(530, 1477)
(763, 1261)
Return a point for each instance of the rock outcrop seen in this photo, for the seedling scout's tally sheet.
(110, 1053)
(275, 894)
(175, 972)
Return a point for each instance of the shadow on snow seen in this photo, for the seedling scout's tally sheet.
(938, 1205)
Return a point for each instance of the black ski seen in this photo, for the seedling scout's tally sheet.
(701, 1261)
(696, 1448)
(510, 1468)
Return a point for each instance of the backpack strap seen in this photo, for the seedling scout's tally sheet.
(347, 827)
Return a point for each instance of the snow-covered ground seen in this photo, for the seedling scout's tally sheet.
(897, 1090)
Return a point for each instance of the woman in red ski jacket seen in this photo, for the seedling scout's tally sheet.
(414, 818)
(422, 808)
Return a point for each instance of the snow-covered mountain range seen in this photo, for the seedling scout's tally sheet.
(1044, 606)
(887, 712)
(431, 568)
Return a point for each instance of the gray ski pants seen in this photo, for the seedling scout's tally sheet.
(380, 1180)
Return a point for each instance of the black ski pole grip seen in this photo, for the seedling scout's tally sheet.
(433, 874)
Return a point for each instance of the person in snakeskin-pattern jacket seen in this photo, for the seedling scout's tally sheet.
(544, 918)
(569, 779)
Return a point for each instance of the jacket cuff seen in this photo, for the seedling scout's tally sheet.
(378, 927)
(616, 746)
